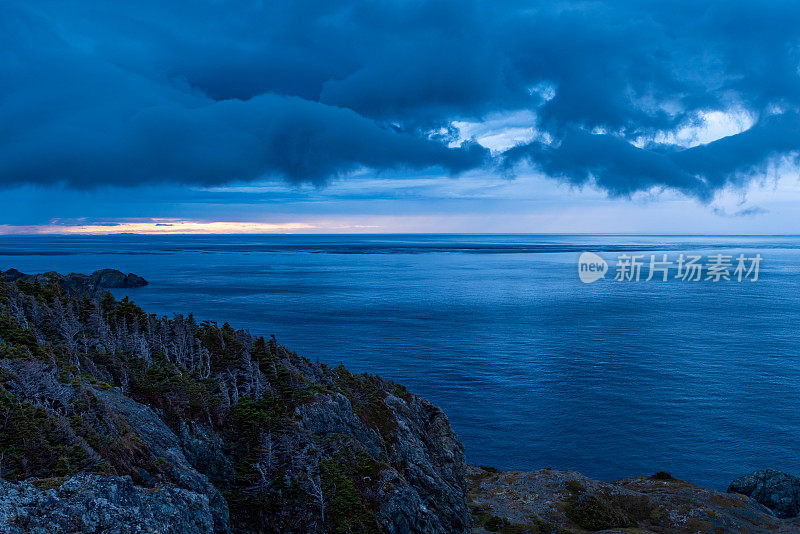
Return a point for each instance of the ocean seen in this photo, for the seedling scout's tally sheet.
(533, 367)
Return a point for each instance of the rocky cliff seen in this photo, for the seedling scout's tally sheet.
(115, 420)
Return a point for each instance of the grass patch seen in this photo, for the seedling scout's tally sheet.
(493, 523)
(45, 484)
(592, 513)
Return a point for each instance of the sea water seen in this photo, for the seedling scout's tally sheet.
(533, 367)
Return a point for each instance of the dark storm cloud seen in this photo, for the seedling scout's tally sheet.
(622, 168)
(613, 163)
(208, 92)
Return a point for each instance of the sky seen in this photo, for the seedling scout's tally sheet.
(336, 116)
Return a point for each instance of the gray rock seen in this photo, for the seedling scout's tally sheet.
(205, 451)
(92, 503)
(430, 495)
(433, 458)
(111, 278)
(75, 283)
(565, 501)
(333, 414)
(778, 491)
(164, 444)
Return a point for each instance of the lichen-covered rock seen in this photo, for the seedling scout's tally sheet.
(778, 491)
(91, 503)
(165, 449)
(564, 501)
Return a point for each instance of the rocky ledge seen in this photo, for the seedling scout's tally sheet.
(550, 501)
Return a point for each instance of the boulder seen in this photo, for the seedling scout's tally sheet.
(778, 491)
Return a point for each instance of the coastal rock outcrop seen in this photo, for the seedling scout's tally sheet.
(778, 491)
(76, 283)
(568, 502)
(92, 503)
(254, 437)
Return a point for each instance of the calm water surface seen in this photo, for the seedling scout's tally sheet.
(534, 368)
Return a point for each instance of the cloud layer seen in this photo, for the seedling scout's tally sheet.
(210, 92)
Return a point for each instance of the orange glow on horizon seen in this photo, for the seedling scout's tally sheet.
(161, 227)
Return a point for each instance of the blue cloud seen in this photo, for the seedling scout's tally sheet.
(210, 92)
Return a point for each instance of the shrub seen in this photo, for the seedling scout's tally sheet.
(591, 513)
(662, 475)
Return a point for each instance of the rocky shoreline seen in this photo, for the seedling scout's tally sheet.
(565, 502)
(514, 502)
(115, 420)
